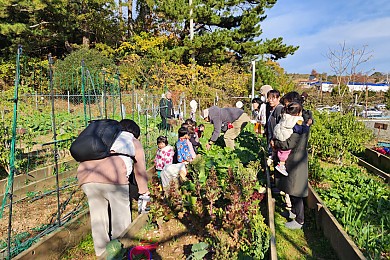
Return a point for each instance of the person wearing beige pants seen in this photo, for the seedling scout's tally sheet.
(232, 133)
(106, 186)
(230, 120)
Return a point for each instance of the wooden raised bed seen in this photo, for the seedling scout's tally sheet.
(342, 244)
(378, 160)
(54, 245)
(375, 170)
(34, 180)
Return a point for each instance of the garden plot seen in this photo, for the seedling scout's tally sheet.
(35, 212)
(361, 205)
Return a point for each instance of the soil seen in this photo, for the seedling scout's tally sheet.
(29, 214)
(174, 240)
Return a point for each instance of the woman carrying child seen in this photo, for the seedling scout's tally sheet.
(106, 186)
(296, 183)
(291, 122)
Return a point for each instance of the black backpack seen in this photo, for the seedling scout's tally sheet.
(95, 141)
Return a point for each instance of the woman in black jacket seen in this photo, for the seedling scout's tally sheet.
(296, 183)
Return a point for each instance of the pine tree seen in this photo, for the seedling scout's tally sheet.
(49, 26)
(224, 30)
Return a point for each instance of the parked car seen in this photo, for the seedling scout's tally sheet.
(381, 107)
(328, 109)
(371, 112)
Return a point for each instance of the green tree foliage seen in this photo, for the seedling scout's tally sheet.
(52, 26)
(224, 31)
(387, 98)
(270, 73)
(223, 80)
(68, 71)
(7, 73)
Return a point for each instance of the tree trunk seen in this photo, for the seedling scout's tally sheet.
(129, 18)
(121, 23)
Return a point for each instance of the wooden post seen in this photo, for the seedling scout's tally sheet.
(68, 102)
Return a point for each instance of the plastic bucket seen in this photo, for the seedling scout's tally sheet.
(138, 251)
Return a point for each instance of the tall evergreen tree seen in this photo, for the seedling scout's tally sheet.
(45, 26)
(224, 30)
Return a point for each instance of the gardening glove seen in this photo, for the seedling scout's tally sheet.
(143, 200)
(269, 161)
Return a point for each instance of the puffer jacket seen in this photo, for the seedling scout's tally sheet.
(284, 129)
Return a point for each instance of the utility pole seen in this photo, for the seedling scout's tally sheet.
(253, 79)
(191, 39)
(191, 22)
(365, 82)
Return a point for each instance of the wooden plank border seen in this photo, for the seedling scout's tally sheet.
(271, 214)
(20, 181)
(36, 180)
(54, 245)
(342, 244)
(40, 185)
(378, 160)
(374, 170)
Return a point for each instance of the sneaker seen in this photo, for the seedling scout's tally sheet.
(288, 214)
(293, 225)
(282, 169)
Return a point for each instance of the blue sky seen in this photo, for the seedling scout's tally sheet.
(320, 25)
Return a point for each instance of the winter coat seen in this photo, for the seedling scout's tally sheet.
(272, 120)
(296, 183)
(166, 108)
(219, 116)
(284, 129)
(164, 157)
(185, 150)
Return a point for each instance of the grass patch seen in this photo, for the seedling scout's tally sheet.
(306, 243)
(84, 250)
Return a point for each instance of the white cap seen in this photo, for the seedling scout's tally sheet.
(205, 113)
(264, 89)
(193, 104)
